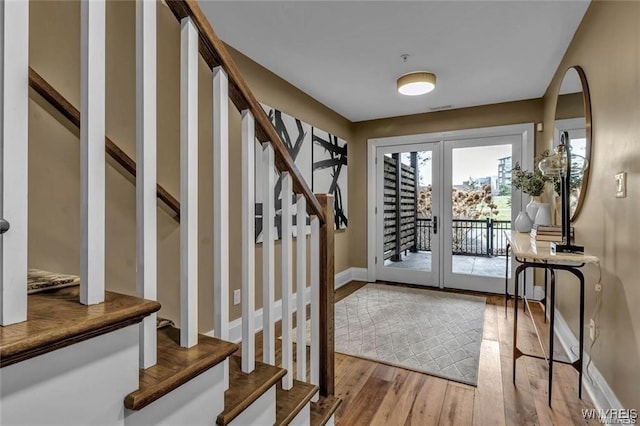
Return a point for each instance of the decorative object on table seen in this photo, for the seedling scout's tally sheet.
(543, 215)
(523, 222)
(548, 233)
(532, 183)
(422, 330)
(562, 164)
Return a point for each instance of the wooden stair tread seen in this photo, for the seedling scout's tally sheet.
(56, 319)
(290, 402)
(244, 389)
(176, 365)
(323, 409)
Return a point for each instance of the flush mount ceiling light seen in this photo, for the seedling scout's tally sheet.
(416, 83)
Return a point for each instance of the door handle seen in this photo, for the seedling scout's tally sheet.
(435, 225)
(4, 226)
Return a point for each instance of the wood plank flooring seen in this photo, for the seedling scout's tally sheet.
(377, 394)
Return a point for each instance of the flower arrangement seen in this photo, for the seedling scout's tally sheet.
(531, 183)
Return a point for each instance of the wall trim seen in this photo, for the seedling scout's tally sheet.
(341, 278)
(593, 381)
(350, 274)
(235, 326)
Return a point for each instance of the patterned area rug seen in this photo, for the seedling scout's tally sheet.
(433, 332)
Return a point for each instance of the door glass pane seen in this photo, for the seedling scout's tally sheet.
(481, 209)
(407, 210)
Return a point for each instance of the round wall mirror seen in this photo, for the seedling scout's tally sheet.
(573, 115)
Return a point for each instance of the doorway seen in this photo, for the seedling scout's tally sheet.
(453, 237)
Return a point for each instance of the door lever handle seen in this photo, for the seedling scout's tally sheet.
(435, 225)
(4, 226)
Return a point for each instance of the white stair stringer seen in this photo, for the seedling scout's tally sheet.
(196, 402)
(81, 384)
(261, 412)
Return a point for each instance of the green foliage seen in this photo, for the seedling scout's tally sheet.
(531, 183)
(504, 191)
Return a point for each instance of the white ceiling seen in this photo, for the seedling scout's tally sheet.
(346, 54)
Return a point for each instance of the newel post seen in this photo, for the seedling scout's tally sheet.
(327, 286)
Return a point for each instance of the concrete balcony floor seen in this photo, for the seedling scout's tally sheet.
(472, 265)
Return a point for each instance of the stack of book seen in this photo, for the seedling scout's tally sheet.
(547, 233)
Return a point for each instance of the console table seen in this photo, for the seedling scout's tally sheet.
(538, 255)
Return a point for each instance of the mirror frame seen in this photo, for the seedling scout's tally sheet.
(586, 102)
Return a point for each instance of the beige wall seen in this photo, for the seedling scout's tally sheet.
(54, 231)
(607, 46)
(528, 111)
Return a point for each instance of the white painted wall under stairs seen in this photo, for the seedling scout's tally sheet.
(86, 384)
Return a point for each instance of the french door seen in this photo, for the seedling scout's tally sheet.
(481, 207)
(453, 236)
(408, 248)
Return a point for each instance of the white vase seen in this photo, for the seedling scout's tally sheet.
(523, 222)
(532, 207)
(543, 216)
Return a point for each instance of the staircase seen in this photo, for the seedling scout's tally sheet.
(79, 354)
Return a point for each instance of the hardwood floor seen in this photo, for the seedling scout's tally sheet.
(378, 394)
(373, 393)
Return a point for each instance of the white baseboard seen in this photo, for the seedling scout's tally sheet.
(594, 383)
(235, 326)
(350, 274)
(538, 293)
(341, 278)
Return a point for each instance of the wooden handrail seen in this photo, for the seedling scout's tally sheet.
(216, 54)
(71, 113)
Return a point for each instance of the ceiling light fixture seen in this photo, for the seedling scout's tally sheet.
(417, 82)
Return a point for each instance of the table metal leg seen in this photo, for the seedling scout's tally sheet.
(506, 282)
(544, 300)
(551, 332)
(581, 278)
(524, 292)
(516, 351)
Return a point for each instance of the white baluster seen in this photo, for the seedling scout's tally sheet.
(248, 242)
(315, 301)
(287, 280)
(268, 258)
(146, 204)
(92, 154)
(188, 184)
(14, 113)
(301, 284)
(220, 204)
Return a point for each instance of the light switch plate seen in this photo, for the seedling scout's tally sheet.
(236, 297)
(621, 185)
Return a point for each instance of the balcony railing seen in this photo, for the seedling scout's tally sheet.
(471, 237)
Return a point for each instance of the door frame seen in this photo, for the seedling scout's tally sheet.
(525, 130)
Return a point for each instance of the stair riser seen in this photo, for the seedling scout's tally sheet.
(303, 418)
(261, 412)
(81, 384)
(196, 402)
